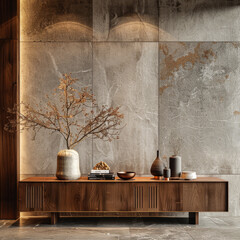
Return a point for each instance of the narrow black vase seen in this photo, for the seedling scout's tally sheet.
(157, 167)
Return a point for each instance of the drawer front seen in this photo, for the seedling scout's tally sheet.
(87, 197)
(205, 197)
(170, 197)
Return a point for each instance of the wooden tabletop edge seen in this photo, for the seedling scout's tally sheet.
(117, 180)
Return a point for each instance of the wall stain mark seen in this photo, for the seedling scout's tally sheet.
(187, 62)
(161, 89)
(236, 113)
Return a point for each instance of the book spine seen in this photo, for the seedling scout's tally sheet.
(99, 171)
(99, 178)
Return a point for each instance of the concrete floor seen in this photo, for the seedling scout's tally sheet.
(121, 228)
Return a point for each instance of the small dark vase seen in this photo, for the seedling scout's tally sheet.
(157, 167)
(166, 173)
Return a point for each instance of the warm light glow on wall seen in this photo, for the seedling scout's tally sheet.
(69, 27)
(34, 69)
(132, 28)
(136, 24)
(55, 21)
(59, 29)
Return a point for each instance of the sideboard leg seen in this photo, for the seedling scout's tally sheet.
(54, 218)
(194, 217)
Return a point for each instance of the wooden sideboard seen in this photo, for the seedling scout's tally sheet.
(142, 196)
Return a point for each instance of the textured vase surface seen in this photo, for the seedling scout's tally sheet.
(157, 166)
(68, 165)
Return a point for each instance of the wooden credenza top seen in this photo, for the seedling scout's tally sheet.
(117, 180)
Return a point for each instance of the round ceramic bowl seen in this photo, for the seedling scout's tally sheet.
(188, 175)
(126, 175)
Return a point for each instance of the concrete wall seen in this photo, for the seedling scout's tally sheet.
(172, 65)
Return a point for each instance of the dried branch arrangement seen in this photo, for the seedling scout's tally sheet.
(74, 114)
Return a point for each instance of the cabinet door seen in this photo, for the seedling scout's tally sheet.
(31, 197)
(157, 197)
(204, 197)
(72, 197)
(117, 197)
(170, 197)
(87, 197)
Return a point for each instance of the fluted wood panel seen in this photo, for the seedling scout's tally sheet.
(146, 197)
(158, 197)
(138, 197)
(153, 196)
(9, 19)
(8, 97)
(8, 144)
(31, 197)
(34, 197)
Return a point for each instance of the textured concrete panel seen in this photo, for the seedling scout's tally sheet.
(41, 66)
(125, 20)
(53, 20)
(199, 20)
(199, 105)
(125, 74)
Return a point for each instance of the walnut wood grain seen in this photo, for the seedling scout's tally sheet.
(87, 197)
(170, 198)
(156, 197)
(9, 62)
(9, 19)
(117, 180)
(139, 197)
(31, 197)
(204, 197)
(114, 214)
(126, 196)
(8, 141)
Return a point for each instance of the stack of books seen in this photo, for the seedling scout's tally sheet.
(101, 175)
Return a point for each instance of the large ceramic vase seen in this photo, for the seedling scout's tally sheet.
(68, 165)
(157, 167)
